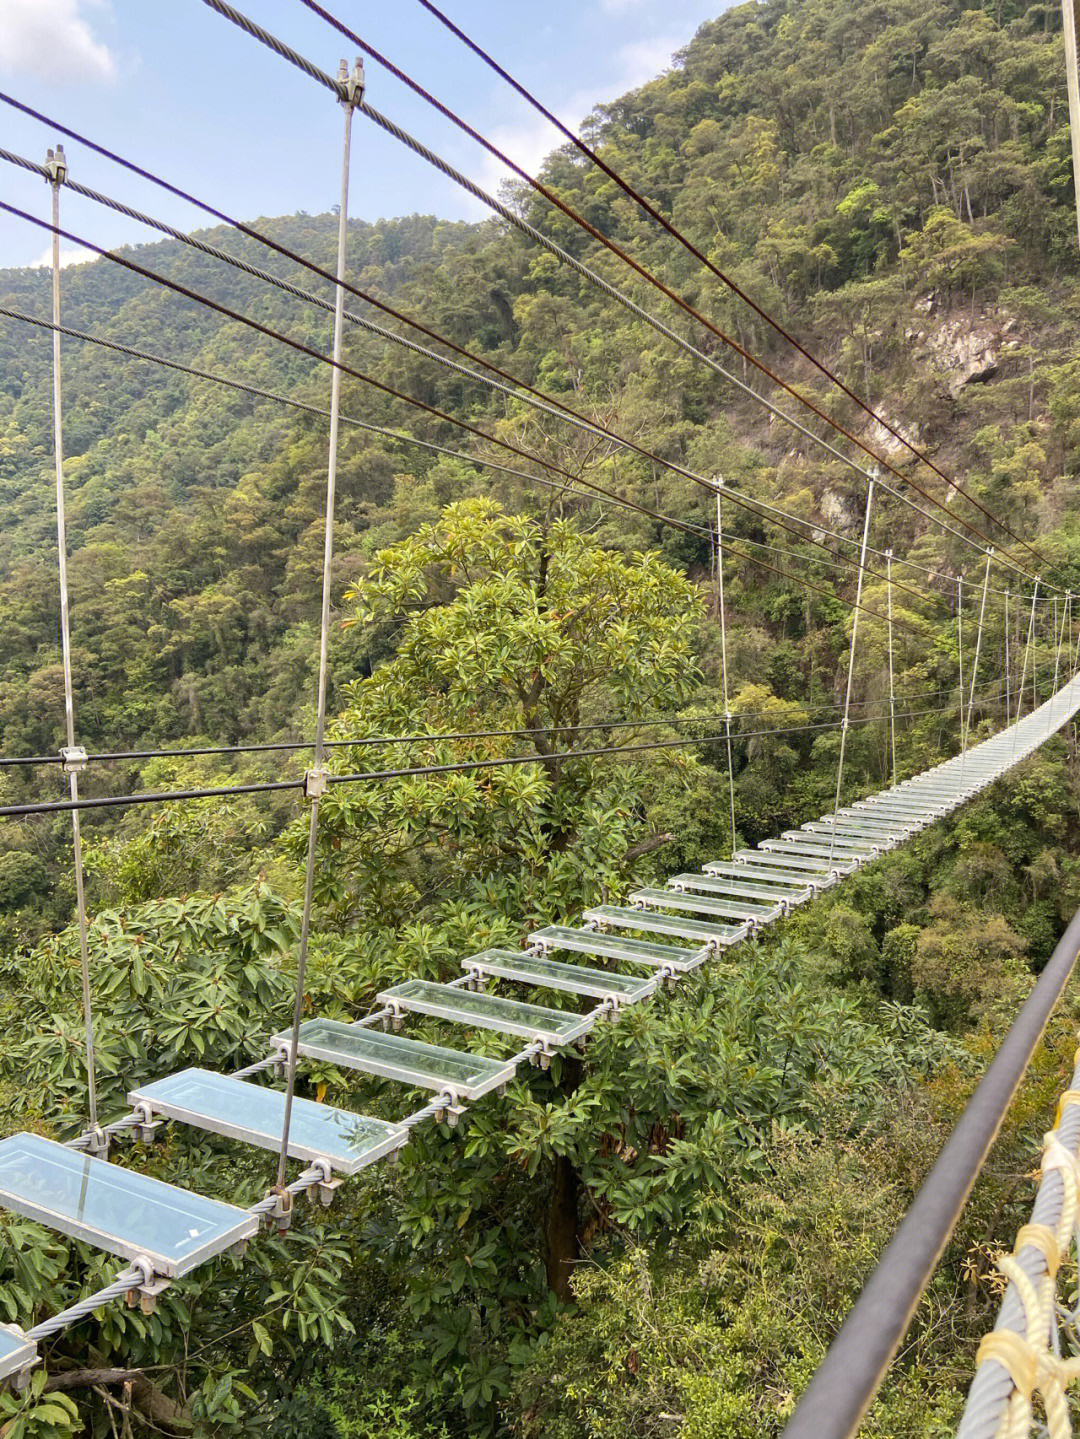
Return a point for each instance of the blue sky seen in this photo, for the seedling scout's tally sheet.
(173, 86)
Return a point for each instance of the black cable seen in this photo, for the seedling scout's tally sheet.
(703, 259)
(258, 392)
(421, 771)
(510, 387)
(304, 349)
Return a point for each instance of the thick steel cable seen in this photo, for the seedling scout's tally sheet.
(677, 234)
(845, 1383)
(299, 259)
(404, 438)
(387, 309)
(314, 354)
(510, 387)
(65, 646)
(124, 1282)
(287, 53)
(424, 771)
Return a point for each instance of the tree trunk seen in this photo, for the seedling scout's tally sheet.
(562, 1228)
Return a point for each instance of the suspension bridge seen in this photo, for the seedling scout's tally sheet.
(615, 955)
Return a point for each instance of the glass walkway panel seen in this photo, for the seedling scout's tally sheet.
(808, 867)
(716, 884)
(714, 935)
(116, 1210)
(796, 882)
(616, 946)
(393, 1056)
(255, 1115)
(17, 1353)
(546, 973)
(486, 1011)
(677, 898)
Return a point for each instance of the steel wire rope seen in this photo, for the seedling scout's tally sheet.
(424, 771)
(319, 270)
(513, 388)
(312, 353)
(703, 259)
(286, 52)
(404, 438)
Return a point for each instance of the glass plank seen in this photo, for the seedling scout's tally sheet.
(393, 1056)
(836, 853)
(705, 933)
(17, 1353)
(556, 974)
(791, 860)
(745, 874)
(862, 823)
(704, 904)
(117, 1210)
(716, 884)
(486, 1011)
(808, 840)
(616, 946)
(863, 842)
(254, 1114)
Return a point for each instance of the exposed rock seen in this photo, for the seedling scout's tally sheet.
(965, 352)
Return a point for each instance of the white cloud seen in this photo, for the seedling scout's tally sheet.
(76, 256)
(50, 40)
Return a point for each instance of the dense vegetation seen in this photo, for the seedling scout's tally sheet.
(659, 1237)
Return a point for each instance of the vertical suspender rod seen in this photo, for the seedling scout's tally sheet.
(352, 88)
(851, 652)
(73, 756)
(892, 676)
(723, 654)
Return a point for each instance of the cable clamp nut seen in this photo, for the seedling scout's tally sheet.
(147, 1293)
(145, 1123)
(56, 166)
(315, 783)
(281, 1214)
(74, 759)
(326, 1186)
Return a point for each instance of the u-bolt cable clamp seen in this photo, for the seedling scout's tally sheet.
(146, 1294)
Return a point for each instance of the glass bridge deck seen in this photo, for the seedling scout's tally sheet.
(486, 1011)
(116, 1210)
(255, 1115)
(398, 1058)
(544, 973)
(617, 946)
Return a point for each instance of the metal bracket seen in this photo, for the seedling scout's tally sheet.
(146, 1125)
(146, 1294)
(327, 1186)
(315, 783)
(56, 166)
(281, 1214)
(74, 759)
(450, 1114)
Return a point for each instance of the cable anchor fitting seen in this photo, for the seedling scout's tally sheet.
(145, 1123)
(74, 758)
(56, 166)
(326, 1186)
(351, 87)
(315, 783)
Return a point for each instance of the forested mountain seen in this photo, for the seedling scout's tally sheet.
(662, 1237)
